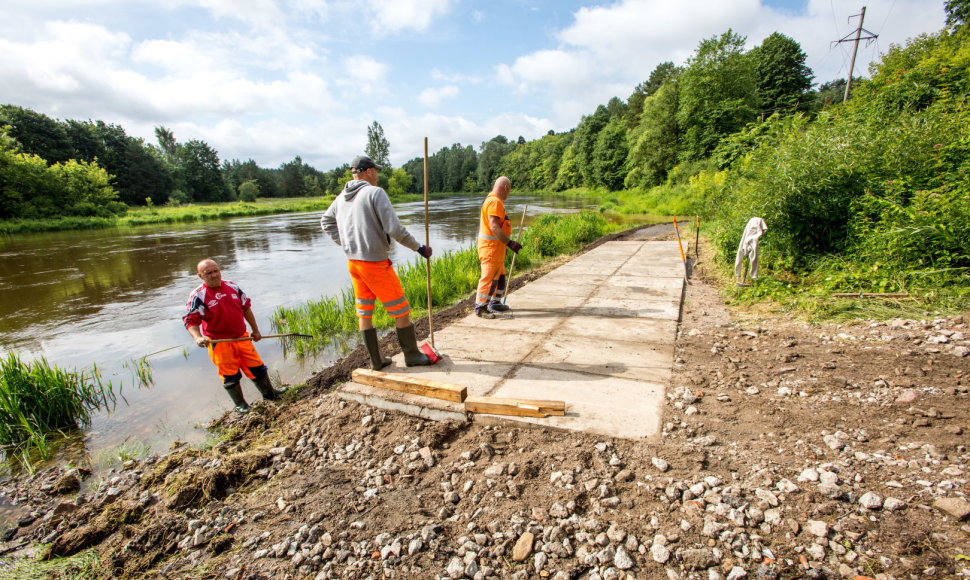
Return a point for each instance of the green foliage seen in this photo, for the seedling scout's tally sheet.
(718, 94)
(248, 191)
(585, 143)
(654, 140)
(957, 12)
(783, 78)
(399, 183)
(609, 154)
(37, 399)
(378, 148)
(490, 160)
(37, 133)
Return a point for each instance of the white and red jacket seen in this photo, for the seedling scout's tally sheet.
(218, 312)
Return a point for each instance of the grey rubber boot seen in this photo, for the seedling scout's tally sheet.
(265, 387)
(377, 360)
(236, 394)
(413, 357)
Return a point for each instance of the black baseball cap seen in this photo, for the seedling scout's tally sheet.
(363, 162)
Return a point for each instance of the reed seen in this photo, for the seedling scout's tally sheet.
(333, 320)
(37, 399)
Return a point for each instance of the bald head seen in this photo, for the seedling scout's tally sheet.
(502, 187)
(210, 273)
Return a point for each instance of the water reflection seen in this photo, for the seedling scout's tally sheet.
(108, 297)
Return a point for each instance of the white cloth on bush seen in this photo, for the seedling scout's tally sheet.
(748, 248)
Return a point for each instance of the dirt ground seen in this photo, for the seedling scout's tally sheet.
(788, 451)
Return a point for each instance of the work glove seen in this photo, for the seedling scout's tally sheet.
(425, 251)
(515, 246)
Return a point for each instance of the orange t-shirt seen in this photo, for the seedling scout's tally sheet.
(493, 206)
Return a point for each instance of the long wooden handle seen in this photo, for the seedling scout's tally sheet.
(427, 242)
(214, 340)
(508, 285)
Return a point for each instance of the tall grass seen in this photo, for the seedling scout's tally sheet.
(37, 399)
(333, 320)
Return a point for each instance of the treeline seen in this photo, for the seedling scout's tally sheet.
(677, 116)
(51, 168)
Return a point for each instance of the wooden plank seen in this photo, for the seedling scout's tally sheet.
(515, 407)
(409, 384)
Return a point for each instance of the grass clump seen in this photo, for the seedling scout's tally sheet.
(333, 320)
(37, 399)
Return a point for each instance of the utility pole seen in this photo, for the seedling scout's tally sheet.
(855, 49)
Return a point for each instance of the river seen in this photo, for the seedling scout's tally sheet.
(109, 297)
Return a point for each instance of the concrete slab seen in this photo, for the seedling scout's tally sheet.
(477, 377)
(610, 406)
(662, 309)
(643, 361)
(648, 292)
(598, 328)
(486, 343)
(561, 286)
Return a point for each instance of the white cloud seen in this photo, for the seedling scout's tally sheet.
(398, 15)
(362, 75)
(432, 97)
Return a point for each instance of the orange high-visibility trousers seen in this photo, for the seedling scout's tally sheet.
(232, 357)
(492, 282)
(377, 280)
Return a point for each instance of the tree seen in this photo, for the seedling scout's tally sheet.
(585, 141)
(957, 12)
(661, 74)
(490, 159)
(248, 191)
(609, 154)
(378, 148)
(37, 133)
(399, 182)
(199, 172)
(783, 78)
(653, 143)
(718, 95)
(168, 145)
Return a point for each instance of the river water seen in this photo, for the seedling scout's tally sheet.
(110, 297)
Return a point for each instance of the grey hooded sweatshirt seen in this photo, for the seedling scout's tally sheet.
(362, 222)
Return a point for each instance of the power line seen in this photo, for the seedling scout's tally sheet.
(855, 49)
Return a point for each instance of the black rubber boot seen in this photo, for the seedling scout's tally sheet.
(377, 360)
(265, 387)
(413, 357)
(499, 307)
(236, 394)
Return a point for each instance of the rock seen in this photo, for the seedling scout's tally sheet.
(786, 486)
(817, 528)
(767, 497)
(810, 474)
(523, 547)
(540, 561)
(624, 476)
(833, 442)
(698, 558)
(892, 504)
(954, 506)
(659, 553)
(660, 464)
(736, 572)
(870, 501)
(456, 568)
(622, 560)
(907, 396)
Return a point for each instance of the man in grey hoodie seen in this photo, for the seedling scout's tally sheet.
(362, 222)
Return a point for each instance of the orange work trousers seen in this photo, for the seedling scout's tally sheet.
(377, 280)
(492, 282)
(232, 357)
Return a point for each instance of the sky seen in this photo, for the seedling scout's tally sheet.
(270, 80)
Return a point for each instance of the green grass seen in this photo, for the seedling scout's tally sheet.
(81, 566)
(171, 214)
(38, 399)
(333, 320)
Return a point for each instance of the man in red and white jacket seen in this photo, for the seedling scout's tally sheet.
(219, 309)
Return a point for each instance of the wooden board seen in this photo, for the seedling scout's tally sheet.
(515, 407)
(409, 384)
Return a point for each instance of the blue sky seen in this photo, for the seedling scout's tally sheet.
(272, 79)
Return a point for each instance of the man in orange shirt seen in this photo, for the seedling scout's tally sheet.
(494, 235)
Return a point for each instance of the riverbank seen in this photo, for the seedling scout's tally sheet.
(189, 213)
(788, 450)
